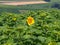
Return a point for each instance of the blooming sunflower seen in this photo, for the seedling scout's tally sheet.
(30, 20)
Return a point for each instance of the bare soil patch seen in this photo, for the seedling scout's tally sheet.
(23, 3)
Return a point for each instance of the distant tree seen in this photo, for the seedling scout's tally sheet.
(47, 0)
(56, 5)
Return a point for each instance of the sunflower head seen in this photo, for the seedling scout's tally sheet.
(52, 43)
(14, 18)
(30, 20)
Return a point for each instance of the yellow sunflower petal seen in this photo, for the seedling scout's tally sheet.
(30, 20)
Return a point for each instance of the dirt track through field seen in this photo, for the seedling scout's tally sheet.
(23, 3)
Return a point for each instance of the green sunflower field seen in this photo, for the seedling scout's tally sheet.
(15, 30)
